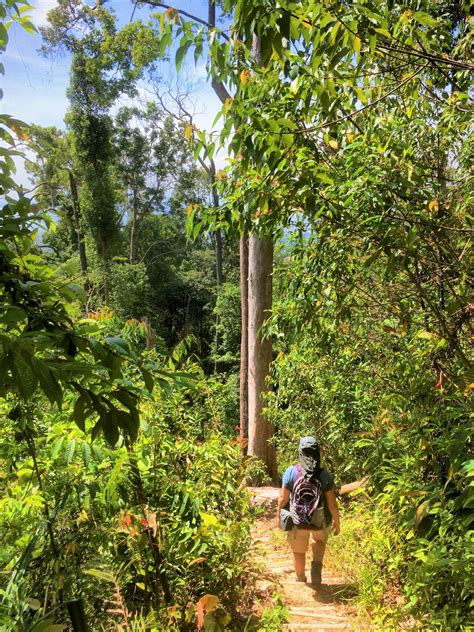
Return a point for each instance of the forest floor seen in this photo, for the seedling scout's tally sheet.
(308, 609)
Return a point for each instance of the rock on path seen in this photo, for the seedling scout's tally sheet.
(325, 609)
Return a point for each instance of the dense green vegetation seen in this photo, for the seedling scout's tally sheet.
(122, 473)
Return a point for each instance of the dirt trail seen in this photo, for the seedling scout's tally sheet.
(324, 609)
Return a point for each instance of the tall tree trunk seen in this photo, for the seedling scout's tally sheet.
(81, 248)
(134, 221)
(259, 351)
(244, 349)
(106, 269)
(218, 234)
(133, 238)
(217, 339)
(218, 249)
(260, 268)
(256, 261)
(219, 271)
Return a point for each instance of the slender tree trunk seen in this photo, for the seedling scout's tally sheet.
(259, 351)
(135, 219)
(212, 12)
(81, 249)
(219, 271)
(244, 349)
(133, 239)
(218, 248)
(218, 234)
(106, 269)
(217, 339)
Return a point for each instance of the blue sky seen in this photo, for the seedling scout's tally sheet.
(35, 88)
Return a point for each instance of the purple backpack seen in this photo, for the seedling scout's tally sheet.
(304, 501)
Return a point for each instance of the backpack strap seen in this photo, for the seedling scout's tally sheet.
(299, 474)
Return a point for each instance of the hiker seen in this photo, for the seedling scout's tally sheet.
(312, 507)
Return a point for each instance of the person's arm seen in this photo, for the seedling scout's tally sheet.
(331, 503)
(282, 501)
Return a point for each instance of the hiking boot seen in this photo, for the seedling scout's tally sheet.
(301, 578)
(316, 573)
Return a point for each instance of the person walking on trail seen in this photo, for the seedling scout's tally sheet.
(309, 490)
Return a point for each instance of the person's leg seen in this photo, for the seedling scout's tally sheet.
(300, 566)
(318, 546)
(298, 539)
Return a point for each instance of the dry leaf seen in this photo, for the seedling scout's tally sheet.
(421, 513)
(208, 602)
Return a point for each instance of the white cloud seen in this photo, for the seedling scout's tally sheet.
(40, 10)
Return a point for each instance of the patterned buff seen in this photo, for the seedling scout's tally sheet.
(309, 457)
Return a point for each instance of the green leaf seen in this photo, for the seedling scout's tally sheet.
(184, 503)
(99, 574)
(49, 383)
(120, 345)
(79, 412)
(424, 19)
(127, 398)
(28, 26)
(196, 230)
(147, 378)
(181, 54)
(383, 32)
(128, 422)
(468, 468)
(69, 451)
(13, 315)
(322, 176)
(86, 453)
(110, 428)
(57, 447)
(288, 139)
(286, 122)
(22, 369)
(325, 101)
(411, 237)
(97, 452)
(96, 430)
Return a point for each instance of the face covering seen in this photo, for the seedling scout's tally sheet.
(309, 457)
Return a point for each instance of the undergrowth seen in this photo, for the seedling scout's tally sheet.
(365, 552)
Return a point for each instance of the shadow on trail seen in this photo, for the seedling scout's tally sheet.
(335, 593)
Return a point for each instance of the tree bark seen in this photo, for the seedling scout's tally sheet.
(81, 249)
(212, 12)
(106, 269)
(133, 238)
(244, 274)
(260, 430)
(218, 234)
(219, 270)
(219, 279)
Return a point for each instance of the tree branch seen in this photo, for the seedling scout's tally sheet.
(366, 107)
(162, 5)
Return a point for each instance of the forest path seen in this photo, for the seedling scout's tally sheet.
(325, 609)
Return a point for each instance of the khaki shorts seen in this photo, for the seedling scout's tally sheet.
(298, 539)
